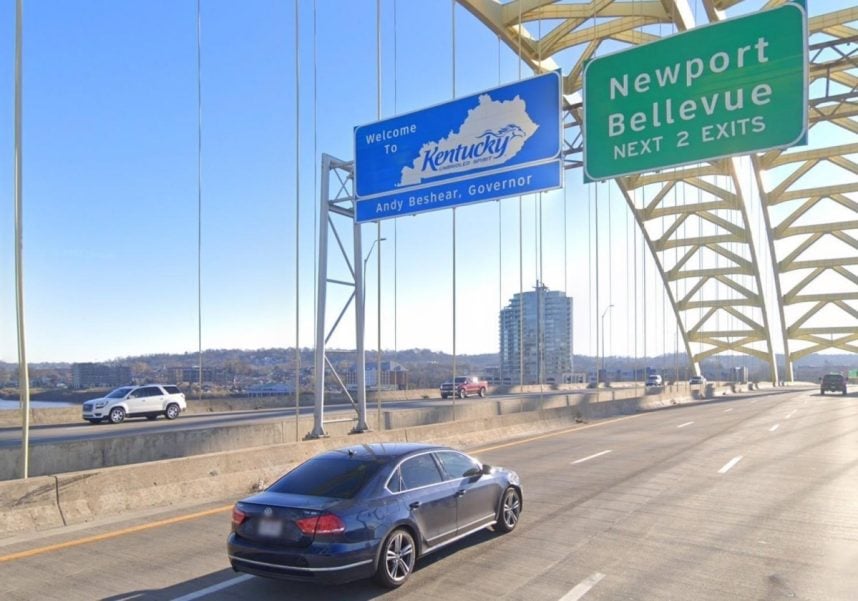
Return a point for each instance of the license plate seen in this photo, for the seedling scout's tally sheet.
(270, 527)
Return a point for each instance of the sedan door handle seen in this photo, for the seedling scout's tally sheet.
(460, 493)
(414, 505)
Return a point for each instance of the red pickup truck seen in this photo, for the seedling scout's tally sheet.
(462, 386)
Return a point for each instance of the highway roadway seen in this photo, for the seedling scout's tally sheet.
(744, 498)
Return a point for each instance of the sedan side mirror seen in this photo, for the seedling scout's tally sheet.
(474, 472)
(487, 469)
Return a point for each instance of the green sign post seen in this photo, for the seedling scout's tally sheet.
(730, 88)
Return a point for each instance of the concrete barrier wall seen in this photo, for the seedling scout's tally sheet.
(108, 451)
(31, 504)
(72, 415)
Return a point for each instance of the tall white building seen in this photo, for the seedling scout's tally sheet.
(546, 335)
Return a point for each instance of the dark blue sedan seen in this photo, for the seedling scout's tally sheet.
(369, 510)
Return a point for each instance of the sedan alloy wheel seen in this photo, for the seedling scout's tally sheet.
(397, 560)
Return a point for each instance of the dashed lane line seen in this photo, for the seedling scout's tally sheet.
(583, 587)
(729, 465)
(773, 428)
(685, 424)
(589, 457)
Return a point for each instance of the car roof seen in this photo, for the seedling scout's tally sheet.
(382, 451)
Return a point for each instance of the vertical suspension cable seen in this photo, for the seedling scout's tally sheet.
(610, 272)
(378, 223)
(520, 249)
(199, 203)
(540, 339)
(503, 356)
(453, 61)
(396, 220)
(590, 268)
(297, 216)
(628, 288)
(598, 308)
(644, 256)
(635, 263)
(315, 177)
(23, 369)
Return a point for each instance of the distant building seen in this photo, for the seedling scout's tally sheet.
(393, 376)
(546, 337)
(98, 375)
(191, 375)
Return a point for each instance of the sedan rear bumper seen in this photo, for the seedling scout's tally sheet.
(323, 563)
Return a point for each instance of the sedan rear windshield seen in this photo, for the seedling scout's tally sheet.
(336, 477)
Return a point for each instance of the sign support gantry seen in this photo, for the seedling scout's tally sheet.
(337, 211)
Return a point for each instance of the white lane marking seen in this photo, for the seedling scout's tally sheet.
(773, 428)
(728, 410)
(685, 424)
(214, 588)
(791, 413)
(729, 465)
(591, 457)
(583, 587)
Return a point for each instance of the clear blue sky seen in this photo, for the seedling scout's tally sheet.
(110, 181)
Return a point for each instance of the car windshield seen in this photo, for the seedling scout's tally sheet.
(120, 392)
(337, 477)
(832, 378)
(461, 380)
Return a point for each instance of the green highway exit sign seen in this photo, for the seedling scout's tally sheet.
(730, 88)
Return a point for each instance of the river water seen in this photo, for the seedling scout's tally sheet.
(34, 404)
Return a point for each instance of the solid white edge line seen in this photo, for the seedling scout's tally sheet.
(773, 428)
(685, 424)
(583, 587)
(214, 588)
(590, 457)
(729, 465)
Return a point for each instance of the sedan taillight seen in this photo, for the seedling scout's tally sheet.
(327, 523)
(238, 517)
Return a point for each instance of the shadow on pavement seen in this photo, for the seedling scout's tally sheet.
(234, 586)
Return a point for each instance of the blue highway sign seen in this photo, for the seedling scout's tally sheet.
(502, 142)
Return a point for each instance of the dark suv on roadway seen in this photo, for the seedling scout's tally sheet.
(833, 383)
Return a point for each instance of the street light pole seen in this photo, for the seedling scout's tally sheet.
(602, 368)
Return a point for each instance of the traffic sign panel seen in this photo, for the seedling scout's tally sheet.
(729, 88)
(501, 142)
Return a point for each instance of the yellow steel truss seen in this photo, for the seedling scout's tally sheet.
(723, 272)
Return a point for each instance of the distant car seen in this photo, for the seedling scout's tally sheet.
(462, 386)
(697, 381)
(654, 380)
(148, 401)
(833, 383)
(369, 511)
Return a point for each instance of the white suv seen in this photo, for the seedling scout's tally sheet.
(654, 380)
(150, 401)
